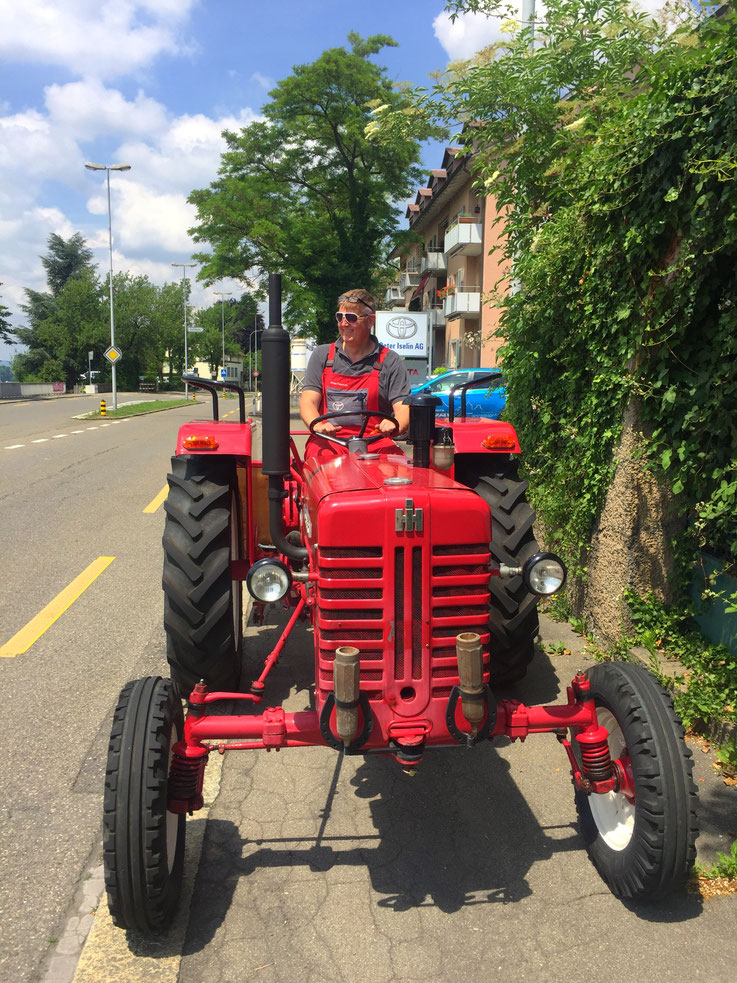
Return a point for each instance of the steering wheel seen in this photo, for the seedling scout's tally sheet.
(344, 441)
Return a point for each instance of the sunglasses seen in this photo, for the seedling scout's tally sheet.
(350, 317)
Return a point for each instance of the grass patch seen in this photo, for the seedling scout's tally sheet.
(137, 409)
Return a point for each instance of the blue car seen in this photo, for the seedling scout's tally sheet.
(488, 400)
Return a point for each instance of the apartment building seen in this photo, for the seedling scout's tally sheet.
(454, 268)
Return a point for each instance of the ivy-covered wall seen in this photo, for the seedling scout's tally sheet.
(608, 140)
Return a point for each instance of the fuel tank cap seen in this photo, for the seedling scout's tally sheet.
(368, 457)
(397, 481)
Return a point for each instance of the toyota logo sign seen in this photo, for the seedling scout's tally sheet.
(401, 327)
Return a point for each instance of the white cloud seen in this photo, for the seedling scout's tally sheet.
(89, 110)
(466, 35)
(169, 156)
(263, 80)
(91, 36)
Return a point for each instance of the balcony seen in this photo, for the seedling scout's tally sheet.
(408, 279)
(394, 296)
(436, 317)
(433, 262)
(464, 301)
(463, 238)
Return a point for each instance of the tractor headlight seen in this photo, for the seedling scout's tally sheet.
(544, 574)
(268, 580)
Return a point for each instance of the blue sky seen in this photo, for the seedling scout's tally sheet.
(153, 83)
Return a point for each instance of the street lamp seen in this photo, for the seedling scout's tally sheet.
(110, 167)
(222, 294)
(184, 294)
(253, 338)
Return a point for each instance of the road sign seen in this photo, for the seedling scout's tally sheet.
(223, 374)
(113, 355)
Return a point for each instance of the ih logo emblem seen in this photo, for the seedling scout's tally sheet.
(408, 519)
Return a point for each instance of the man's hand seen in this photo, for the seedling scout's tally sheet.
(388, 426)
(326, 426)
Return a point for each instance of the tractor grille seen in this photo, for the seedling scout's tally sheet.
(460, 602)
(372, 598)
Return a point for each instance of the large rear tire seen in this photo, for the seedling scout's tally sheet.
(513, 620)
(644, 849)
(202, 603)
(143, 843)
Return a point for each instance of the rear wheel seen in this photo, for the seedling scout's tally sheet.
(143, 843)
(643, 846)
(513, 619)
(202, 603)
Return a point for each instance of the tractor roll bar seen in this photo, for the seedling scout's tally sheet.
(463, 386)
(212, 386)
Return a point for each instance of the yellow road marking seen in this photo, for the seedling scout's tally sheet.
(22, 640)
(156, 502)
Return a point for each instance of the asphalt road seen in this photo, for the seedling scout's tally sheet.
(314, 867)
(65, 502)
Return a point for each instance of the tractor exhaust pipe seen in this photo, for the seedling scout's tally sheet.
(275, 417)
(346, 684)
(471, 675)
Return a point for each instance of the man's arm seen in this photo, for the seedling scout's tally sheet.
(309, 409)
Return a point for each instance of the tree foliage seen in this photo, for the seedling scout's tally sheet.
(305, 193)
(228, 324)
(610, 145)
(6, 329)
(67, 259)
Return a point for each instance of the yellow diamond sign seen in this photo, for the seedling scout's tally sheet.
(113, 355)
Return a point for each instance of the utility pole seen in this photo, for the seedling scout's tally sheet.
(184, 294)
(222, 294)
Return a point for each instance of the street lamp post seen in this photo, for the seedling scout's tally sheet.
(222, 294)
(253, 338)
(184, 294)
(110, 167)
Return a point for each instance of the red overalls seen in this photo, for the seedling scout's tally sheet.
(349, 392)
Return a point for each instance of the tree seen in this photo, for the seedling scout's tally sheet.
(610, 146)
(135, 299)
(305, 193)
(66, 259)
(6, 330)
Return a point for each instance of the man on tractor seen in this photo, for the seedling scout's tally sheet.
(355, 373)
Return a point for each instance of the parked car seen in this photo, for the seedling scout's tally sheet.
(488, 400)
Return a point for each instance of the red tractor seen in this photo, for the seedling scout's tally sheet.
(420, 578)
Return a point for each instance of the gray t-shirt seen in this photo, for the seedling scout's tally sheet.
(393, 378)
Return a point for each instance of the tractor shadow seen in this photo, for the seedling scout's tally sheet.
(457, 834)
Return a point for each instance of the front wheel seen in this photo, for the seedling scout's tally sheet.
(644, 846)
(143, 843)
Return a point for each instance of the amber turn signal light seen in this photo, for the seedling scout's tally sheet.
(495, 442)
(200, 442)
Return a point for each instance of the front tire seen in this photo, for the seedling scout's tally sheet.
(644, 849)
(143, 843)
(513, 620)
(202, 603)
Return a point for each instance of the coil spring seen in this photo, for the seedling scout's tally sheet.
(185, 777)
(596, 759)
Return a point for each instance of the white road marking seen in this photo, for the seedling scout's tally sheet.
(92, 428)
(104, 425)
(41, 440)
(57, 435)
(12, 447)
(77, 431)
